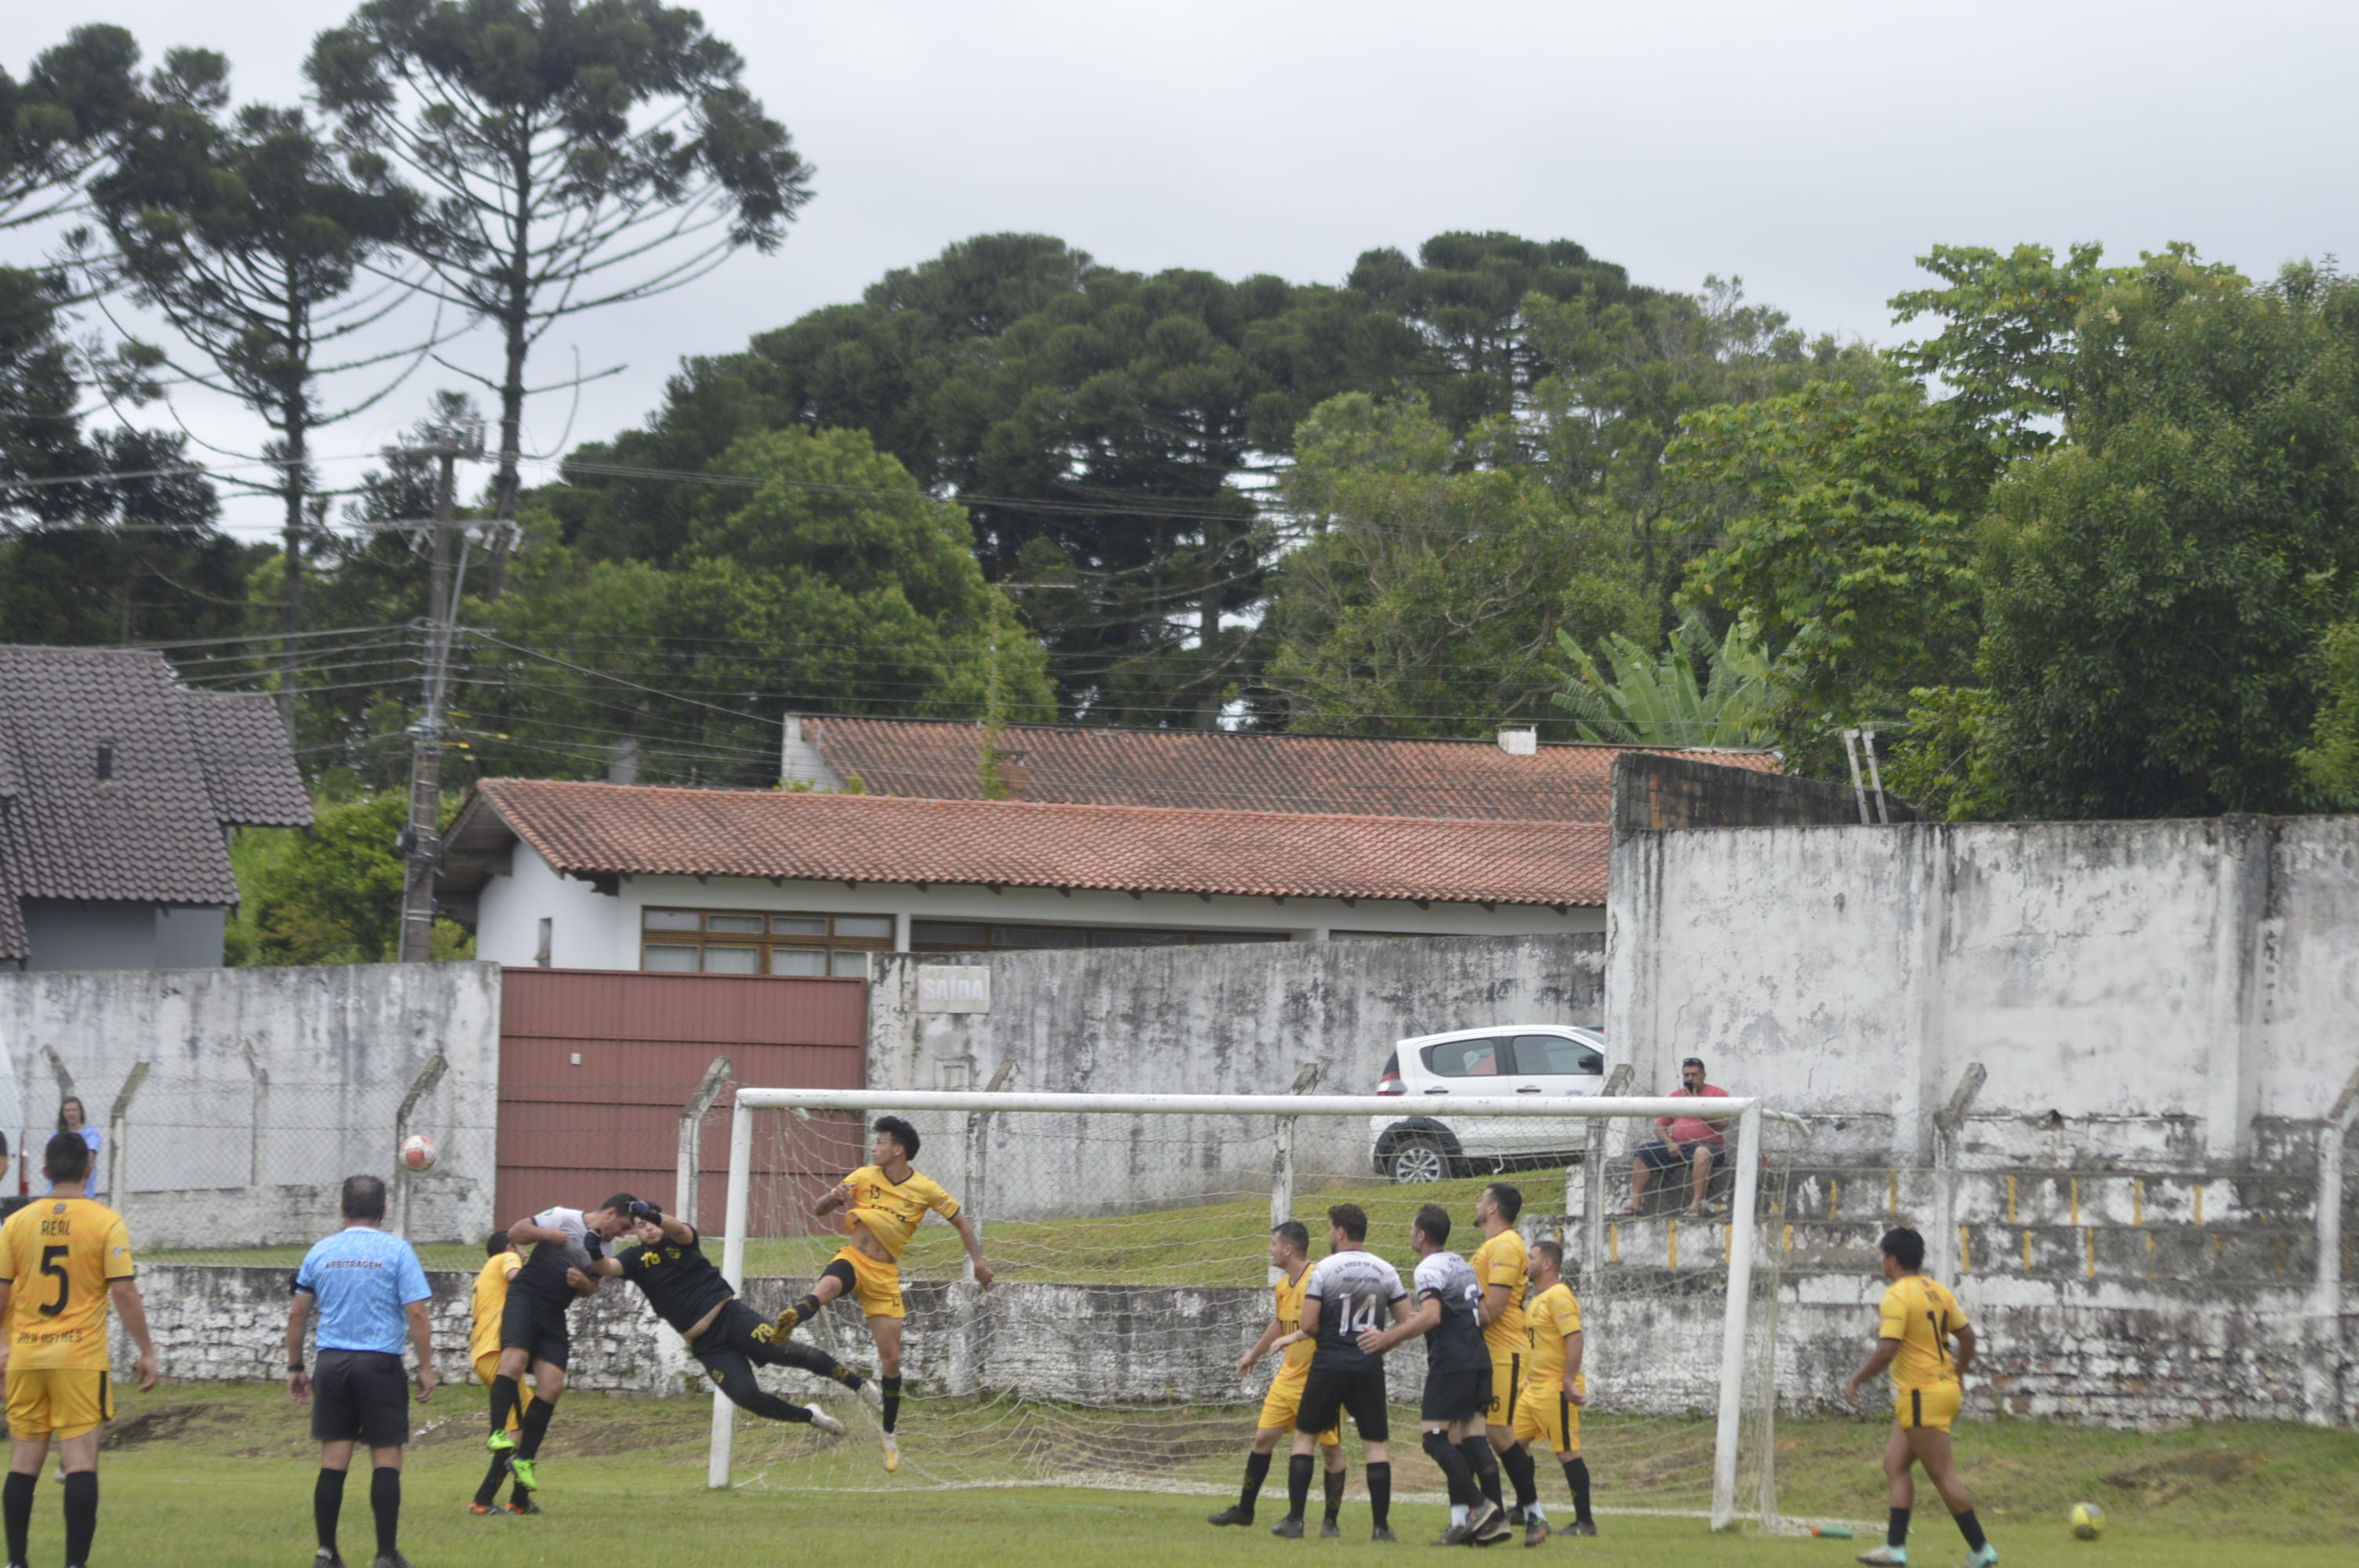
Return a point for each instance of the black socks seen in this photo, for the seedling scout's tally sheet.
(1455, 1471)
(504, 1393)
(1298, 1484)
(1257, 1471)
(1576, 1476)
(82, 1514)
(534, 1428)
(1895, 1532)
(327, 1502)
(892, 1391)
(385, 1501)
(1517, 1463)
(489, 1491)
(1334, 1494)
(1484, 1464)
(1380, 1496)
(805, 1311)
(1969, 1527)
(17, 1502)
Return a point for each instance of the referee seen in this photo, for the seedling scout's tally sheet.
(370, 1291)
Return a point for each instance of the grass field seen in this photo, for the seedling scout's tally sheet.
(219, 1477)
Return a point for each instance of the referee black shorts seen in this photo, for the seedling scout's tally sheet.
(536, 1326)
(1331, 1391)
(360, 1396)
(1456, 1396)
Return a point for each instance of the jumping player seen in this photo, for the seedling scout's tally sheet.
(1549, 1410)
(502, 1258)
(533, 1331)
(727, 1337)
(884, 1201)
(1918, 1319)
(73, 1257)
(1289, 1251)
(1457, 1379)
(1499, 1263)
(1347, 1291)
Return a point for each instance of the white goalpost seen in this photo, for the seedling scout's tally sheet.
(1130, 1233)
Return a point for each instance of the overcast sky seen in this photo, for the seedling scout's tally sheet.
(1814, 149)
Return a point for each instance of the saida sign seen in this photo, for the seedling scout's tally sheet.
(954, 988)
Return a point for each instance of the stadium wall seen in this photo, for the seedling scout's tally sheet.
(1211, 1019)
(263, 1089)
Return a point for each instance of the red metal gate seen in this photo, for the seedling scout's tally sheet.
(596, 1063)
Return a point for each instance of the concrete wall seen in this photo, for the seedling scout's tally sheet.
(1241, 1020)
(265, 1089)
(2128, 979)
(1652, 792)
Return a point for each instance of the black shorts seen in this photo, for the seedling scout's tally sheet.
(1661, 1156)
(1329, 1391)
(360, 1396)
(1456, 1396)
(537, 1326)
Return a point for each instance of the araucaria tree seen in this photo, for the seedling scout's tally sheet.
(578, 154)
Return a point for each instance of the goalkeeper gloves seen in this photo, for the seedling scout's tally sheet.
(642, 1209)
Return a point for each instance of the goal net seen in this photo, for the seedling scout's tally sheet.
(1129, 1240)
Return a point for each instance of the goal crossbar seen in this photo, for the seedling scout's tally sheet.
(1746, 1112)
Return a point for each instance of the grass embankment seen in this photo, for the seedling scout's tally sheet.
(214, 1476)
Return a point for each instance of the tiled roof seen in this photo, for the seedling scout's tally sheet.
(186, 766)
(938, 758)
(599, 830)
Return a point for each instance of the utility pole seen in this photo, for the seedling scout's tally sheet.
(420, 843)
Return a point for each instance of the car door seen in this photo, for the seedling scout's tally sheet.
(1553, 1065)
(1477, 1065)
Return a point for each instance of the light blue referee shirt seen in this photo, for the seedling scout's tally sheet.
(363, 1280)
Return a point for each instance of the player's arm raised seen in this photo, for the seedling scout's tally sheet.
(133, 1314)
(1573, 1369)
(965, 1228)
(524, 1233)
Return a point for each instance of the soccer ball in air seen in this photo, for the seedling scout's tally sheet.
(2088, 1522)
(417, 1154)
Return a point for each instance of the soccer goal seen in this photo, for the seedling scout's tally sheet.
(1129, 1239)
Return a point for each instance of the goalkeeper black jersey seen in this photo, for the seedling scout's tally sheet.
(679, 1281)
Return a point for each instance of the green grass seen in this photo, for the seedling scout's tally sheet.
(215, 1476)
(1197, 1244)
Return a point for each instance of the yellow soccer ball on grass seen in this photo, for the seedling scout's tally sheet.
(2088, 1522)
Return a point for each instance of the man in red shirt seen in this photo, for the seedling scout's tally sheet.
(1693, 1141)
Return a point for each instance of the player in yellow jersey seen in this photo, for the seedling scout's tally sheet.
(1499, 1264)
(503, 1259)
(63, 1259)
(1289, 1252)
(1548, 1409)
(883, 1201)
(1914, 1326)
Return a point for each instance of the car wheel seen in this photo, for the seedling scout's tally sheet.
(1418, 1159)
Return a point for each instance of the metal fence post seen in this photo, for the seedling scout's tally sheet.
(977, 1152)
(2326, 1289)
(117, 1169)
(1592, 1175)
(1281, 1158)
(691, 1139)
(1949, 1123)
(257, 1166)
(427, 1077)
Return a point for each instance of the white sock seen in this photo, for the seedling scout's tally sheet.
(1457, 1513)
(1534, 1512)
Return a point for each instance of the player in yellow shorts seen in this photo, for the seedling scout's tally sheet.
(1289, 1251)
(885, 1200)
(63, 1259)
(503, 1259)
(1548, 1411)
(1500, 1265)
(1918, 1319)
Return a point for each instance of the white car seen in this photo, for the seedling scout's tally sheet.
(1425, 1143)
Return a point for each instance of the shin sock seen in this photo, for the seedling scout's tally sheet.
(1334, 1494)
(805, 1310)
(1380, 1496)
(892, 1386)
(82, 1514)
(1517, 1463)
(327, 1502)
(384, 1502)
(1257, 1471)
(489, 1490)
(1298, 1484)
(1895, 1529)
(1576, 1476)
(1486, 1467)
(1972, 1529)
(1455, 1471)
(17, 1502)
(536, 1427)
(504, 1401)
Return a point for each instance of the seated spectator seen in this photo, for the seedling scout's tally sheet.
(1691, 1141)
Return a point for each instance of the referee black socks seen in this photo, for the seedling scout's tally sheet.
(384, 1502)
(1257, 1471)
(504, 1401)
(327, 1502)
(16, 1503)
(534, 1428)
(81, 1513)
(1380, 1496)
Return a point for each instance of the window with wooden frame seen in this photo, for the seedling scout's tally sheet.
(761, 941)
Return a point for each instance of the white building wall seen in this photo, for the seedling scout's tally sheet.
(586, 930)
